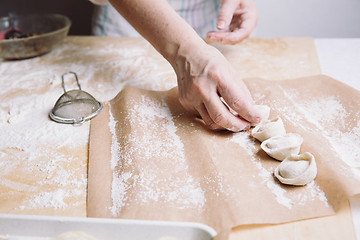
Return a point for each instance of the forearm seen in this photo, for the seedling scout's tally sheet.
(157, 22)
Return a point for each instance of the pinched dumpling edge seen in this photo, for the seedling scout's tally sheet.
(276, 129)
(306, 177)
(264, 111)
(281, 153)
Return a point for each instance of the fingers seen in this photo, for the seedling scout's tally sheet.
(229, 106)
(217, 116)
(226, 13)
(221, 116)
(232, 109)
(240, 18)
(239, 99)
(239, 29)
(245, 22)
(229, 37)
(207, 119)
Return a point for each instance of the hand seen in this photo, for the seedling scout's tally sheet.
(204, 76)
(237, 19)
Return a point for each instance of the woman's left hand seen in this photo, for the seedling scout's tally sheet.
(236, 20)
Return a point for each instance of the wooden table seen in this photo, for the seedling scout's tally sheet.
(45, 164)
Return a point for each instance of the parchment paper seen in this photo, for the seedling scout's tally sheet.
(149, 159)
(44, 164)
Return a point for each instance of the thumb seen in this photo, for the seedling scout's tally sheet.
(226, 13)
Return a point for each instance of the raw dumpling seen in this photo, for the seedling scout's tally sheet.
(264, 111)
(269, 129)
(281, 147)
(297, 170)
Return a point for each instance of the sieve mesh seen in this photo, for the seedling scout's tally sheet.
(75, 106)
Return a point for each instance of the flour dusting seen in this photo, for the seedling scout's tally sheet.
(328, 111)
(347, 145)
(49, 199)
(115, 143)
(38, 156)
(151, 167)
(248, 144)
(32, 146)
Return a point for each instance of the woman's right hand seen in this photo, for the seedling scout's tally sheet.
(204, 77)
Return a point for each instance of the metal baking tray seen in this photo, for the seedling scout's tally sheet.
(29, 227)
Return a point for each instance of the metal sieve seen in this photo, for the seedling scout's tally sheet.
(75, 106)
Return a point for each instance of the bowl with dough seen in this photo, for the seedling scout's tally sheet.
(25, 36)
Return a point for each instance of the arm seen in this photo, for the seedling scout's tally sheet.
(203, 73)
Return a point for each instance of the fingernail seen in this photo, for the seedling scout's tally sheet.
(257, 119)
(236, 129)
(246, 128)
(220, 25)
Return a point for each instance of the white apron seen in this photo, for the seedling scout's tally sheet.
(200, 14)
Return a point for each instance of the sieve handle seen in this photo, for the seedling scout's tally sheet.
(63, 82)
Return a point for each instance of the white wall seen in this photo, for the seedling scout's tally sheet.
(313, 18)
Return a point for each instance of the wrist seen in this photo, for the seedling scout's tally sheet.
(194, 58)
(183, 48)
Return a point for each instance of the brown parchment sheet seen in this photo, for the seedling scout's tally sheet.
(43, 163)
(149, 159)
